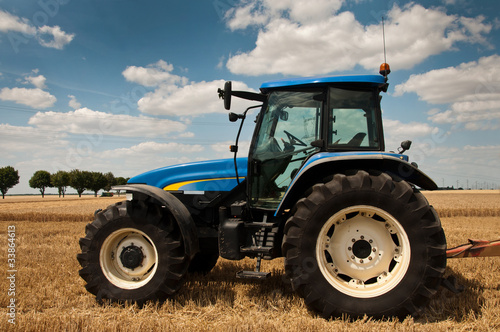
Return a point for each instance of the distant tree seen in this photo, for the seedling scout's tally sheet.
(97, 182)
(40, 180)
(60, 180)
(120, 181)
(79, 180)
(111, 181)
(9, 177)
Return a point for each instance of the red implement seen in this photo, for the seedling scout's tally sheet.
(475, 248)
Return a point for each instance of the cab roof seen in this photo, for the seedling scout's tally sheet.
(370, 80)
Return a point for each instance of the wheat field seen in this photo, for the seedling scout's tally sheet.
(50, 295)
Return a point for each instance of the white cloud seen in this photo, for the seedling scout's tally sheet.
(396, 131)
(221, 149)
(9, 22)
(153, 75)
(52, 37)
(317, 41)
(194, 99)
(29, 140)
(472, 89)
(38, 81)
(260, 13)
(412, 129)
(175, 95)
(35, 98)
(73, 103)
(154, 149)
(87, 121)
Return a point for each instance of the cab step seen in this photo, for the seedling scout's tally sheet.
(256, 250)
(253, 275)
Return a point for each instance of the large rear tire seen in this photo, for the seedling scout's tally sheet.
(365, 244)
(133, 251)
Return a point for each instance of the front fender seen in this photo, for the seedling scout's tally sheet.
(178, 210)
(322, 165)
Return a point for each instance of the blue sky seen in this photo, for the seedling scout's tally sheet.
(129, 86)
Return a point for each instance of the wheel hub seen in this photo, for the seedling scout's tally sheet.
(131, 256)
(361, 249)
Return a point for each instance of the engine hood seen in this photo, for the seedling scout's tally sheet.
(212, 175)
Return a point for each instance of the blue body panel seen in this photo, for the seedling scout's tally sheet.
(371, 80)
(213, 175)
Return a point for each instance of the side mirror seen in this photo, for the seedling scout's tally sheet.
(233, 117)
(405, 145)
(226, 94)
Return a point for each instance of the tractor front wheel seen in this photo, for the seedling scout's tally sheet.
(133, 251)
(365, 244)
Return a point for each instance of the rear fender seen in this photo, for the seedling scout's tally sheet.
(178, 210)
(323, 165)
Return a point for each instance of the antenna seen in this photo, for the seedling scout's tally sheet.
(384, 68)
(383, 35)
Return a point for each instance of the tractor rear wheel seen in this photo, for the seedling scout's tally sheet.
(133, 251)
(364, 244)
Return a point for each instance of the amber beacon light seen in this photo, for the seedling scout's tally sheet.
(385, 69)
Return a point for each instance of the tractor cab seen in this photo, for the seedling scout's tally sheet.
(301, 117)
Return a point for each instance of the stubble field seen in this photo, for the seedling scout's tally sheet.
(50, 295)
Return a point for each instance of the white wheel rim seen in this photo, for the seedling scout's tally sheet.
(363, 251)
(116, 249)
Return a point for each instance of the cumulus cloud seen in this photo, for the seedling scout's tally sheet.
(194, 99)
(153, 74)
(412, 129)
(396, 131)
(155, 148)
(472, 89)
(35, 98)
(87, 121)
(9, 22)
(52, 37)
(73, 103)
(38, 81)
(260, 13)
(175, 95)
(322, 39)
(29, 140)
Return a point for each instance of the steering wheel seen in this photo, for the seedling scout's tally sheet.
(293, 139)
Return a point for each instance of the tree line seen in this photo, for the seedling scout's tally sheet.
(76, 179)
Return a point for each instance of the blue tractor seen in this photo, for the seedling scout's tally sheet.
(317, 188)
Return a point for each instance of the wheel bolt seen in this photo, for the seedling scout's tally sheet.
(374, 249)
(371, 241)
(361, 261)
(370, 258)
(349, 248)
(353, 240)
(362, 237)
(353, 257)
